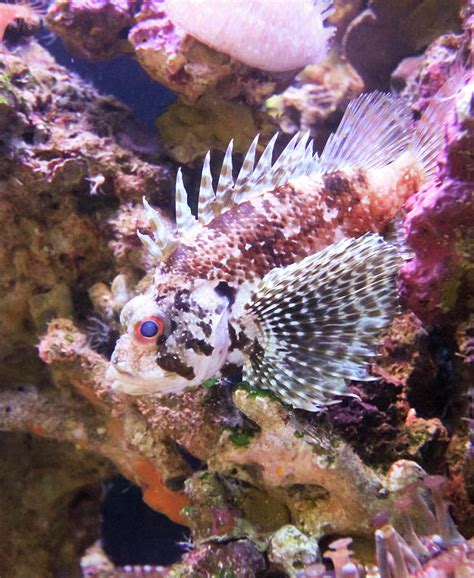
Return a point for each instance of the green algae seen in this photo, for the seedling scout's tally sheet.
(210, 383)
(253, 392)
(240, 437)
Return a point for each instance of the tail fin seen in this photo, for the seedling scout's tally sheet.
(375, 129)
(430, 130)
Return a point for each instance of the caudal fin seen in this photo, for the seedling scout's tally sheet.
(375, 129)
(320, 318)
(431, 129)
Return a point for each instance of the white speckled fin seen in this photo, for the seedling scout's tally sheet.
(375, 129)
(247, 165)
(320, 320)
(297, 159)
(226, 182)
(206, 192)
(185, 220)
(163, 242)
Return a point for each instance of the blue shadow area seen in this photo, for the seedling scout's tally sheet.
(133, 533)
(122, 77)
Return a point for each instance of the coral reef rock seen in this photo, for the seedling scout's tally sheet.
(257, 484)
(385, 32)
(440, 220)
(101, 30)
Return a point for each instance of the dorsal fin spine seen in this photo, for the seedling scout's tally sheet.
(184, 218)
(226, 182)
(206, 192)
(247, 165)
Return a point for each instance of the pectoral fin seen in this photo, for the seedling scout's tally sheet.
(319, 321)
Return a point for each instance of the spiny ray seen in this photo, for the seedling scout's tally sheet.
(206, 192)
(226, 182)
(163, 242)
(185, 220)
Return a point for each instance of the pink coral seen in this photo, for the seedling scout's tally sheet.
(440, 227)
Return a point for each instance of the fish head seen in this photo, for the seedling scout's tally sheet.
(173, 339)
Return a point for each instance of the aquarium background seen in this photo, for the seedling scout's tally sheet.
(228, 480)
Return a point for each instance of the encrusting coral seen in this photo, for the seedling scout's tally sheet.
(261, 476)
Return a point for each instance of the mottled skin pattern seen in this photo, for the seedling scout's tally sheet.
(283, 226)
(214, 270)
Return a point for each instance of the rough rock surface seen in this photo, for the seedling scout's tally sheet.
(62, 175)
(385, 32)
(316, 99)
(50, 502)
(102, 29)
(440, 220)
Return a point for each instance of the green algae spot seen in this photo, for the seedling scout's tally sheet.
(240, 438)
(298, 434)
(253, 393)
(186, 511)
(225, 573)
(450, 291)
(5, 81)
(209, 383)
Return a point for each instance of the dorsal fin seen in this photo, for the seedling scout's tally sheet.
(163, 242)
(226, 182)
(185, 220)
(375, 129)
(206, 192)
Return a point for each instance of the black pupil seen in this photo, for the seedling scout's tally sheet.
(149, 329)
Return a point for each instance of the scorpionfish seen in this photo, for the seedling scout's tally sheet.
(284, 271)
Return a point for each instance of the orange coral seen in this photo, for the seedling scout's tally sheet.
(29, 12)
(155, 492)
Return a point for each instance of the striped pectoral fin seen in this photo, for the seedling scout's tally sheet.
(319, 321)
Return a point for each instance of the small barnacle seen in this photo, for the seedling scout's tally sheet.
(276, 36)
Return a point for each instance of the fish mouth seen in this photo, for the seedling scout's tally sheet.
(124, 382)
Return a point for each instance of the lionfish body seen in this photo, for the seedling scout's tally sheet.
(284, 270)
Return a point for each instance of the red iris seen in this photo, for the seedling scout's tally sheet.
(149, 330)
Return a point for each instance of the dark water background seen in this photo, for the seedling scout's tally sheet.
(121, 77)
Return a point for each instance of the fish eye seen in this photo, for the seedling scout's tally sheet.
(149, 329)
